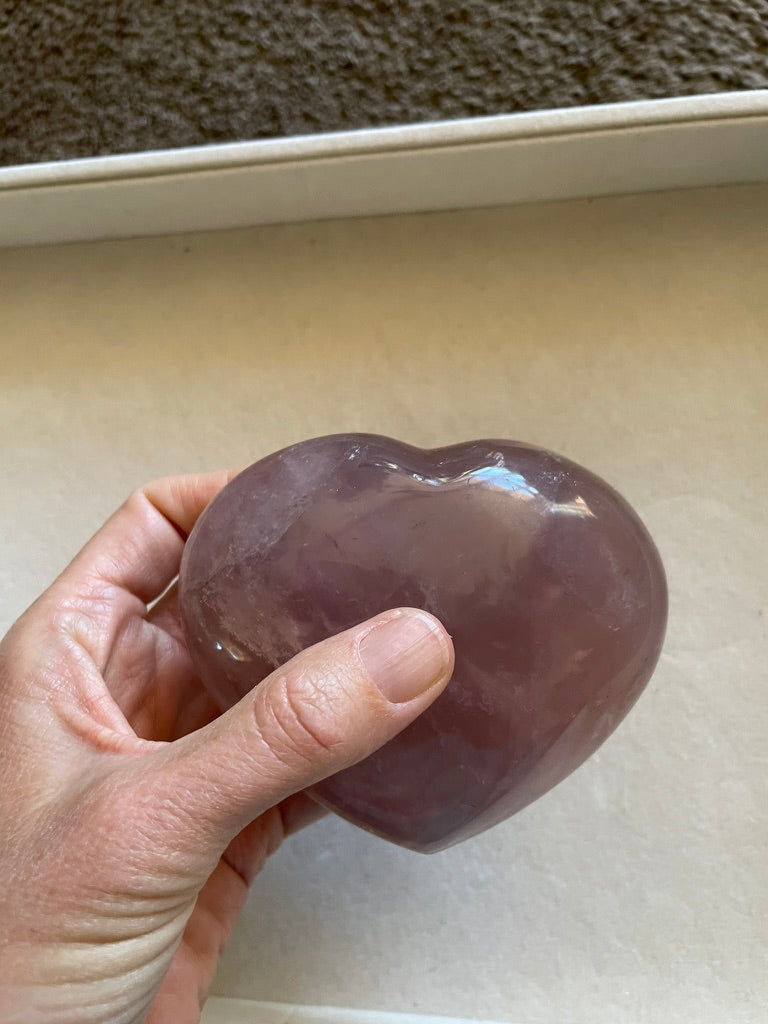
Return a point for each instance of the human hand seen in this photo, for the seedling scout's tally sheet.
(132, 816)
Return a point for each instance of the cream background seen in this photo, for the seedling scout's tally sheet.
(629, 333)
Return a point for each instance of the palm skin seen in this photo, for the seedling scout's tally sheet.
(126, 687)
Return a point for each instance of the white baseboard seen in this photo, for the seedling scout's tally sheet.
(245, 1011)
(686, 142)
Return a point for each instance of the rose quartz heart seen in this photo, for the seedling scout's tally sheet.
(546, 579)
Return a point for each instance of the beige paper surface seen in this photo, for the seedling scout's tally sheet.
(631, 334)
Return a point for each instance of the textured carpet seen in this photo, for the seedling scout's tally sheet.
(83, 77)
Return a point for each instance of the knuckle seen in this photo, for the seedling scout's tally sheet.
(138, 502)
(303, 715)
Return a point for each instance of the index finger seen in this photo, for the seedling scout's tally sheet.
(139, 547)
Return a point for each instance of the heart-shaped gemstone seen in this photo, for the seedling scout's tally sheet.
(544, 576)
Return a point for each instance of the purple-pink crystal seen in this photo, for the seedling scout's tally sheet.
(544, 576)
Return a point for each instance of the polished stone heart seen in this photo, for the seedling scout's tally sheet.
(546, 579)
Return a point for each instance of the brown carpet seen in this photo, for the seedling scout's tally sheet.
(85, 77)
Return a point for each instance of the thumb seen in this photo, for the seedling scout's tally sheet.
(327, 708)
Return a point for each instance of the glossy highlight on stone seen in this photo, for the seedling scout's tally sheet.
(546, 579)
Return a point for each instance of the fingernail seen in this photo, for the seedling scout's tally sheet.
(405, 656)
